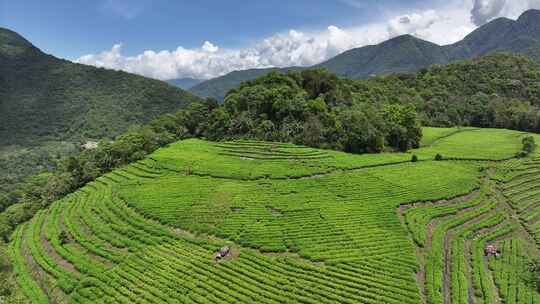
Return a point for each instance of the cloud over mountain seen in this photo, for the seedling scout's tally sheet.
(486, 10)
(442, 25)
(209, 60)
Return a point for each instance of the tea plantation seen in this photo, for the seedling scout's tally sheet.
(302, 225)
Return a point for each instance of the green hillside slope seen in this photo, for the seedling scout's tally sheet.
(47, 98)
(219, 86)
(303, 226)
(185, 83)
(47, 103)
(498, 90)
(406, 54)
(402, 54)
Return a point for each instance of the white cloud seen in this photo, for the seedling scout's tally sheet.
(443, 25)
(440, 28)
(487, 10)
(280, 50)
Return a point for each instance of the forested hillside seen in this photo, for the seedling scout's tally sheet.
(398, 55)
(406, 54)
(185, 83)
(499, 90)
(49, 106)
(316, 108)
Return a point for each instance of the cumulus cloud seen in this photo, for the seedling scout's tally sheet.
(444, 25)
(487, 10)
(417, 24)
(280, 50)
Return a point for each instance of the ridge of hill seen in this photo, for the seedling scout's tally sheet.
(44, 97)
(219, 86)
(49, 106)
(402, 54)
(406, 54)
(184, 83)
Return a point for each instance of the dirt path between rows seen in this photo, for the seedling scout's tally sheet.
(421, 252)
(43, 279)
(514, 218)
(448, 238)
(54, 255)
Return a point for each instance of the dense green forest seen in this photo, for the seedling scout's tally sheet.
(49, 106)
(499, 90)
(314, 108)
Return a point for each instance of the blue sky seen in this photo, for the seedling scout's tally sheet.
(70, 29)
(217, 36)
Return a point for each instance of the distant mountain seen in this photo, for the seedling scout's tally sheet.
(402, 54)
(49, 105)
(43, 97)
(218, 87)
(185, 83)
(406, 54)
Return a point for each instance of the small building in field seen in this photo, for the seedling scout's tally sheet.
(492, 250)
(222, 253)
(89, 145)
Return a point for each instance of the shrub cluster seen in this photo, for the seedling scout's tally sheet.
(314, 108)
(529, 145)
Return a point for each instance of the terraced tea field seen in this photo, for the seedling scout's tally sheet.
(303, 226)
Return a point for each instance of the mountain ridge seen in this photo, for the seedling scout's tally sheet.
(407, 53)
(29, 79)
(220, 85)
(49, 106)
(185, 83)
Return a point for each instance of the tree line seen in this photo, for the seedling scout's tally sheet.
(496, 91)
